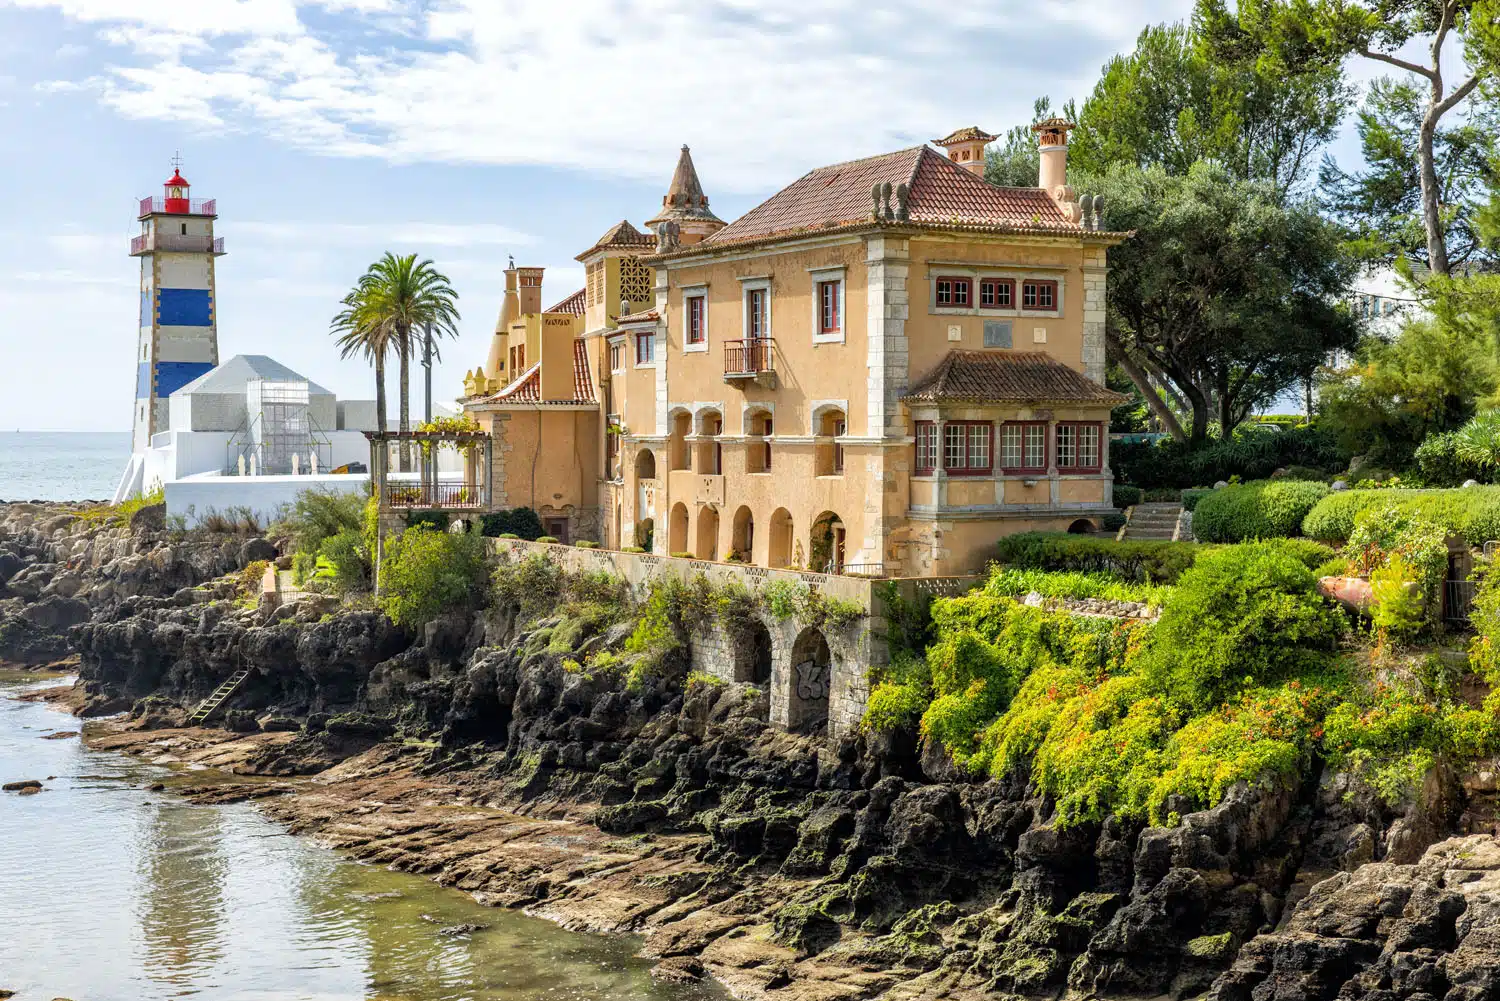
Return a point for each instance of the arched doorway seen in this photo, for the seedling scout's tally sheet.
(708, 533)
(742, 539)
(755, 663)
(645, 534)
(677, 529)
(826, 544)
(829, 425)
(679, 455)
(645, 464)
(779, 553)
(809, 683)
(1082, 527)
(645, 486)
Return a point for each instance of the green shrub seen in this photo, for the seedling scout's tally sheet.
(683, 556)
(894, 705)
(521, 522)
(428, 573)
(506, 535)
(344, 562)
(585, 544)
(1005, 581)
(533, 585)
(320, 514)
(1261, 510)
(1163, 495)
(632, 549)
(1154, 562)
(1338, 566)
(1190, 498)
(1126, 496)
(304, 565)
(1473, 514)
(438, 520)
(552, 539)
(1397, 607)
(1254, 452)
(1243, 615)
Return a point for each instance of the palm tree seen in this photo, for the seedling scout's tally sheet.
(359, 333)
(402, 296)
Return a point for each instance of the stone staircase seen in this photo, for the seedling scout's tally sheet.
(220, 695)
(1157, 521)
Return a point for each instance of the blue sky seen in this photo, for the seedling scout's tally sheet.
(466, 130)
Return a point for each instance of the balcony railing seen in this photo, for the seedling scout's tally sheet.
(434, 496)
(176, 241)
(750, 358)
(196, 206)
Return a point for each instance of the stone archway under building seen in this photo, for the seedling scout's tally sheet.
(742, 535)
(706, 537)
(809, 682)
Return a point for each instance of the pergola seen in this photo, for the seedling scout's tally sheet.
(428, 492)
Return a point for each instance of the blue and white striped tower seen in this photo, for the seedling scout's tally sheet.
(179, 337)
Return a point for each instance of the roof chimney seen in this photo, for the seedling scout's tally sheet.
(494, 365)
(966, 148)
(1052, 138)
(530, 280)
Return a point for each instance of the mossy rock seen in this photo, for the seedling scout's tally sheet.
(627, 818)
(820, 838)
(1211, 948)
(1023, 968)
(805, 928)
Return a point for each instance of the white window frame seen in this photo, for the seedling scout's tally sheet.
(818, 277)
(688, 292)
(748, 285)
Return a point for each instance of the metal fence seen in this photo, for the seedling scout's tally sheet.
(1458, 601)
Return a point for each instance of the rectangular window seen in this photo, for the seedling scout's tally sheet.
(997, 293)
(839, 429)
(966, 447)
(617, 357)
(755, 313)
(645, 348)
(767, 445)
(927, 447)
(611, 447)
(1078, 447)
(695, 331)
(1039, 295)
(1023, 447)
(828, 307)
(954, 291)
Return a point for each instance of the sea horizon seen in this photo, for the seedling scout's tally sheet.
(61, 465)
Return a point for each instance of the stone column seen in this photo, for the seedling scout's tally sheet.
(1094, 285)
(888, 306)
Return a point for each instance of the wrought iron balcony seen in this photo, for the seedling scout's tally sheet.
(751, 359)
(146, 243)
(418, 496)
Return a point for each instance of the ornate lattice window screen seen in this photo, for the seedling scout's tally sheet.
(635, 280)
(595, 294)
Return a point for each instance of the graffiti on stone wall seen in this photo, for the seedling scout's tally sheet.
(812, 680)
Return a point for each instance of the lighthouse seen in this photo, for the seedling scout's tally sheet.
(178, 330)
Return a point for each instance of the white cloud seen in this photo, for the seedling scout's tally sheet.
(422, 234)
(762, 91)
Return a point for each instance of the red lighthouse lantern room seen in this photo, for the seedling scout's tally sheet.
(177, 193)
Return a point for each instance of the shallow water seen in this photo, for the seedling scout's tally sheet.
(108, 891)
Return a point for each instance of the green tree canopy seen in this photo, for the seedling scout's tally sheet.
(1226, 291)
(1382, 203)
(1248, 88)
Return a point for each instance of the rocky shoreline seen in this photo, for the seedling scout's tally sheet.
(781, 865)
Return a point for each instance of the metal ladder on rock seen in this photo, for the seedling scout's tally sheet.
(220, 695)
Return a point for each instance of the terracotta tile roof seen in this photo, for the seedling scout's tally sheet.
(572, 304)
(684, 200)
(621, 234)
(943, 195)
(966, 135)
(527, 389)
(583, 382)
(1008, 377)
(644, 316)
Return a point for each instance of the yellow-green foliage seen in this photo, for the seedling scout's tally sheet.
(1398, 606)
(120, 514)
(1017, 581)
(428, 573)
(247, 582)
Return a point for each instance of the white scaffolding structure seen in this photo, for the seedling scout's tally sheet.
(279, 435)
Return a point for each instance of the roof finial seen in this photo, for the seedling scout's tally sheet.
(177, 161)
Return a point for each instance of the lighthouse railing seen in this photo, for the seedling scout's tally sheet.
(195, 206)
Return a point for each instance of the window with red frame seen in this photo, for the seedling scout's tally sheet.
(1023, 447)
(954, 291)
(997, 293)
(1038, 295)
(828, 307)
(645, 348)
(927, 447)
(966, 447)
(1078, 447)
(695, 331)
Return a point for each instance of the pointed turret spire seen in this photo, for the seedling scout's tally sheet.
(686, 204)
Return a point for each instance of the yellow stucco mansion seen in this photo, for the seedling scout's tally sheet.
(882, 368)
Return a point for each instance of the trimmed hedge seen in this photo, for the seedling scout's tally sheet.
(1268, 509)
(1126, 496)
(1473, 514)
(1151, 562)
(1190, 498)
(522, 522)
